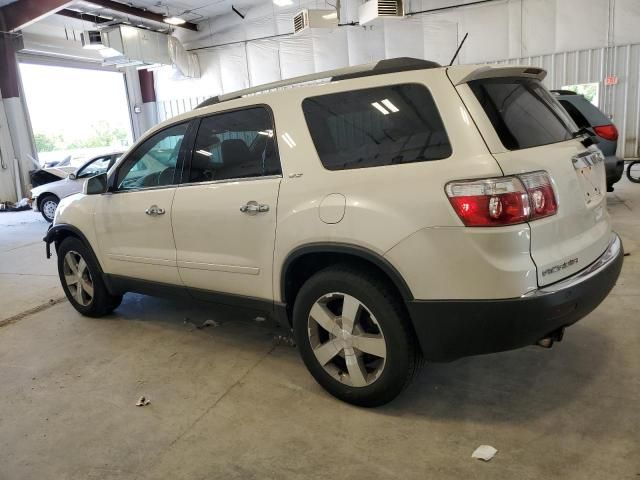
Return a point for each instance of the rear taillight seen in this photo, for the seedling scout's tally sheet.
(493, 202)
(542, 198)
(608, 132)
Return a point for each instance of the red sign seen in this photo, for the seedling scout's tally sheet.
(611, 80)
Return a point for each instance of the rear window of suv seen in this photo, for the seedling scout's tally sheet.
(374, 127)
(523, 112)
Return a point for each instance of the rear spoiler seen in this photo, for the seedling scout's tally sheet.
(464, 75)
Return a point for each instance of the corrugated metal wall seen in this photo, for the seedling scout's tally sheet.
(621, 101)
(170, 108)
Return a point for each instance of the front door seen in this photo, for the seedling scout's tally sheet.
(224, 216)
(133, 222)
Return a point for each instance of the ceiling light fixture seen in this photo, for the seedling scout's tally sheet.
(283, 3)
(387, 103)
(174, 20)
(380, 108)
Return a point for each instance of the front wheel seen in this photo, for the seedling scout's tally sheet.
(633, 172)
(81, 280)
(354, 336)
(48, 206)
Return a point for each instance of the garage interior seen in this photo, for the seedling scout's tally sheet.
(233, 400)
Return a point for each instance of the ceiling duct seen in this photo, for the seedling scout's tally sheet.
(375, 10)
(128, 46)
(315, 18)
(187, 63)
(91, 39)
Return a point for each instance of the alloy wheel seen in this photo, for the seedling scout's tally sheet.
(78, 278)
(346, 339)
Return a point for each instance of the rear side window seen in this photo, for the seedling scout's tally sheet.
(523, 112)
(575, 114)
(237, 144)
(376, 126)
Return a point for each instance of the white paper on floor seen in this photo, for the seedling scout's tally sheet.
(484, 452)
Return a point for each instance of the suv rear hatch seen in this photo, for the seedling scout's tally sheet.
(527, 130)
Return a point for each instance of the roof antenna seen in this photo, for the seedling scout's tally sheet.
(237, 12)
(459, 47)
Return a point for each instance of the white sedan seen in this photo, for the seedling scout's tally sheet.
(45, 198)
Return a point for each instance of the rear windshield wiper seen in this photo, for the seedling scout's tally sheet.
(588, 137)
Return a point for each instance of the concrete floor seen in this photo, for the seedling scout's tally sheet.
(228, 402)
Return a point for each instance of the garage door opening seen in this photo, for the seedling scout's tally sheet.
(75, 113)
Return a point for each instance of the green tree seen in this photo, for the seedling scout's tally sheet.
(47, 143)
(104, 136)
(588, 90)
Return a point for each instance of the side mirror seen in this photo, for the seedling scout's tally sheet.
(72, 176)
(95, 185)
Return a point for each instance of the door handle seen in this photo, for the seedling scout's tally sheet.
(254, 207)
(154, 210)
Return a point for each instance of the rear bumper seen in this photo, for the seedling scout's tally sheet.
(614, 167)
(450, 329)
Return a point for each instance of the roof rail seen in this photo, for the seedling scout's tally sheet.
(392, 65)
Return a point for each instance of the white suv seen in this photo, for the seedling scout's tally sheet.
(391, 213)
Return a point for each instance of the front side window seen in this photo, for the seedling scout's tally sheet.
(376, 126)
(153, 164)
(237, 144)
(96, 167)
(523, 112)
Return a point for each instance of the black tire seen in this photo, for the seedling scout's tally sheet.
(44, 205)
(403, 358)
(101, 302)
(635, 176)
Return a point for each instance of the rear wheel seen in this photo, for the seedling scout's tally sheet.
(82, 280)
(354, 336)
(633, 172)
(48, 206)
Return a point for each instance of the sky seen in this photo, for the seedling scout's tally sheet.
(69, 101)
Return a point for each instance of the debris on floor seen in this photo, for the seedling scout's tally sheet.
(188, 322)
(287, 340)
(15, 207)
(208, 323)
(143, 401)
(260, 319)
(484, 452)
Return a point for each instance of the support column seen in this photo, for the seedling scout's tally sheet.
(16, 139)
(148, 108)
(142, 100)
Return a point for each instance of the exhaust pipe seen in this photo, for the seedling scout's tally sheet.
(548, 341)
(545, 342)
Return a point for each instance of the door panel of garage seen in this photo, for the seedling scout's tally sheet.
(224, 216)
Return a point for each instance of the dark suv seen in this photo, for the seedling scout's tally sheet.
(588, 116)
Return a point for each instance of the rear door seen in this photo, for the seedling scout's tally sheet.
(224, 214)
(527, 130)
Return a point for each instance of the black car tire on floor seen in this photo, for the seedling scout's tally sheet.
(634, 176)
(375, 299)
(93, 300)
